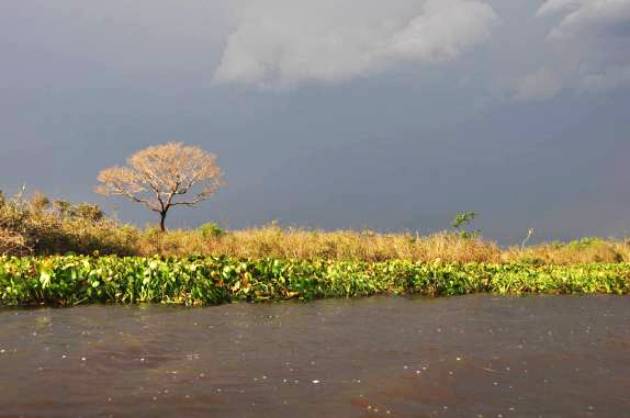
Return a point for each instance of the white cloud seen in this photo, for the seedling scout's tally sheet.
(554, 6)
(291, 41)
(586, 49)
(582, 17)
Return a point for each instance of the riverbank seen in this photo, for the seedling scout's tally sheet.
(36, 226)
(74, 280)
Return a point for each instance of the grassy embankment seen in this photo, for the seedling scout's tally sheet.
(273, 263)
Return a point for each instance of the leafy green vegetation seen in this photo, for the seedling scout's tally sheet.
(461, 221)
(71, 280)
(210, 230)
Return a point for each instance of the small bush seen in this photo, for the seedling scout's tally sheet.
(36, 226)
(210, 230)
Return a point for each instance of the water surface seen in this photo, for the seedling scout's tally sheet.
(376, 357)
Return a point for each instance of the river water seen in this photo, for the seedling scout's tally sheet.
(472, 356)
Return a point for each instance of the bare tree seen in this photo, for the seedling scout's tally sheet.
(163, 176)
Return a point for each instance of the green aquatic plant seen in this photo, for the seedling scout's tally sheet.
(72, 280)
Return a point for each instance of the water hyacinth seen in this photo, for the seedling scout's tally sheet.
(73, 280)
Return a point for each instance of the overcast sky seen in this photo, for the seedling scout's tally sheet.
(392, 115)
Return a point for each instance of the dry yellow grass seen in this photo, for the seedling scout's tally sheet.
(274, 241)
(37, 226)
(587, 250)
(11, 243)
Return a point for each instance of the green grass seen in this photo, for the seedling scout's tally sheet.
(73, 280)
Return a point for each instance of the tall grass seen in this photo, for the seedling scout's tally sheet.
(294, 243)
(37, 226)
(276, 242)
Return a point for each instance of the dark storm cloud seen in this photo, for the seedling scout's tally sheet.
(384, 128)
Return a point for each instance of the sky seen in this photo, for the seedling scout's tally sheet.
(388, 115)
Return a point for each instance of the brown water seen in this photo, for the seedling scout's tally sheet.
(378, 357)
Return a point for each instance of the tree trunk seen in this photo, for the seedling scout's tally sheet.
(163, 221)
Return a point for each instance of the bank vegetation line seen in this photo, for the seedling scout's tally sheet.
(74, 280)
(38, 226)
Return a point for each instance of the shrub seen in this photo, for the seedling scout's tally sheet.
(461, 221)
(36, 226)
(210, 230)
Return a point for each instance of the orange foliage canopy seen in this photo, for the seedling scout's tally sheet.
(163, 176)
